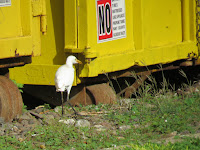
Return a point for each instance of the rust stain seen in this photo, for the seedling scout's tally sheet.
(32, 53)
(16, 54)
(12, 65)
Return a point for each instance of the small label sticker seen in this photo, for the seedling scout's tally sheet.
(111, 20)
(4, 3)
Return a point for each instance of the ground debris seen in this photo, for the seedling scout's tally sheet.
(82, 123)
(84, 113)
(124, 127)
(68, 122)
(36, 115)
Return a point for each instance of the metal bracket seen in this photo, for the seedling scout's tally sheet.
(39, 10)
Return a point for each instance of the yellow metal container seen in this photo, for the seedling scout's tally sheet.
(110, 35)
(19, 29)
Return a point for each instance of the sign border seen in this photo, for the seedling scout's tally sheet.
(113, 38)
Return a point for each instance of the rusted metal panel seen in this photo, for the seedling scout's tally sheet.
(13, 97)
(94, 94)
(12, 65)
(10, 99)
(132, 89)
(13, 62)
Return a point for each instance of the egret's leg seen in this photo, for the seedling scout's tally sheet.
(67, 96)
(70, 103)
(62, 102)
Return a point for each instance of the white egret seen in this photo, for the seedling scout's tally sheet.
(64, 77)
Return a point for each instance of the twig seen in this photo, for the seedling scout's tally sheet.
(36, 115)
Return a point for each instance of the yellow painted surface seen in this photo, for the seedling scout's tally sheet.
(19, 30)
(70, 22)
(43, 68)
(156, 32)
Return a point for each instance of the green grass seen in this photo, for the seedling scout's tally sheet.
(161, 114)
(154, 116)
(150, 118)
(11, 143)
(97, 142)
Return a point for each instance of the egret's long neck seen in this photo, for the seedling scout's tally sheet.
(69, 64)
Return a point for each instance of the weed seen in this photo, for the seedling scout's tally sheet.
(47, 106)
(19, 85)
(185, 76)
(24, 108)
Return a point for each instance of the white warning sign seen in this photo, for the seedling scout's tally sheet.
(111, 20)
(4, 3)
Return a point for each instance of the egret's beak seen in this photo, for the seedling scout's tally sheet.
(78, 61)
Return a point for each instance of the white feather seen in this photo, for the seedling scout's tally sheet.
(64, 77)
